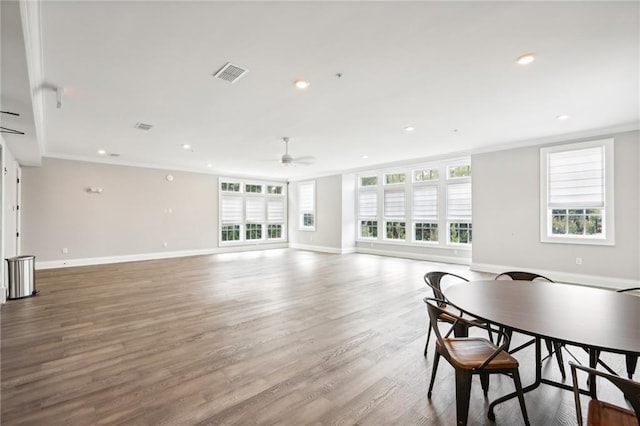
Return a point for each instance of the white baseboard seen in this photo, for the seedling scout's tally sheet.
(322, 249)
(563, 277)
(68, 263)
(416, 256)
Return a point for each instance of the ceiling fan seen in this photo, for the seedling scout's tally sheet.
(288, 160)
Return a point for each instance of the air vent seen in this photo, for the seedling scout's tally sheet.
(143, 126)
(113, 154)
(230, 73)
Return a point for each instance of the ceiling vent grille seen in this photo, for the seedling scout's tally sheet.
(230, 73)
(143, 126)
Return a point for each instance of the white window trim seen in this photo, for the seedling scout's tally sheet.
(243, 222)
(409, 185)
(312, 211)
(608, 210)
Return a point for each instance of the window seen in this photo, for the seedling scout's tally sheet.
(254, 231)
(394, 178)
(273, 189)
(459, 212)
(425, 175)
(230, 186)
(255, 215)
(369, 181)
(274, 232)
(230, 218)
(230, 233)
(307, 205)
(576, 183)
(394, 214)
(253, 188)
(367, 214)
(425, 213)
(276, 213)
(463, 170)
(423, 204)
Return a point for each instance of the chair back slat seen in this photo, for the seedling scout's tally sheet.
(434, 279)
(434, 310)
(522, 275)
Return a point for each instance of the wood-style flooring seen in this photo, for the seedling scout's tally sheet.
(268, 337)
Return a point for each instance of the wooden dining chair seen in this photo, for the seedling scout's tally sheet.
(602, 413)
(469, 356)
(434, 279)
(552, 346)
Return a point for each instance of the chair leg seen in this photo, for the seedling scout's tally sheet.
(428, 337)
(434, 370)
(484, 380)
(632, 362)
(558, 348)
(463, 395)
(518, 384)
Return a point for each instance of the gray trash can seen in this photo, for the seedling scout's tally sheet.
(22, 276)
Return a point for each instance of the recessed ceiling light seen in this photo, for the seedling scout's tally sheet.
(526, 59)
(409, 129)
(186, 146)
(209, 165)
(562, 117)
(364, 156)
(102, 152)
(302, 84)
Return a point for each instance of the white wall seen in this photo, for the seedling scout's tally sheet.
(506, 220)
(136, 213)
(9, 212)
(328, 233)
(349, 182)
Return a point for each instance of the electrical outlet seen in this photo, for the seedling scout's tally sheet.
(578, 261)
(165, 244)
(65, 250)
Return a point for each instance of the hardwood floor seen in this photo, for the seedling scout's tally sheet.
(272, 337)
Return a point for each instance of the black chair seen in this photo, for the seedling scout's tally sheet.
(552, 346)
(601, 413)
(433, 280)
(469, 356)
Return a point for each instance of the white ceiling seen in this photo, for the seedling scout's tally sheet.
(446, 68)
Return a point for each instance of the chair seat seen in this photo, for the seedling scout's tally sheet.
(469, 353)
(602, 414)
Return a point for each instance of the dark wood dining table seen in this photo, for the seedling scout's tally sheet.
(592, 318)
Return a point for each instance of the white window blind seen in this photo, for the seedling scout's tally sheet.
(576, 178)
(275, 211)
(459, 201)
(367, 204)
(394, 204)
(306, 192)
(255, 209)
(425, 203)
(231, 210)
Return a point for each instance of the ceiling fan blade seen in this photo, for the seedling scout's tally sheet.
(305, 161)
